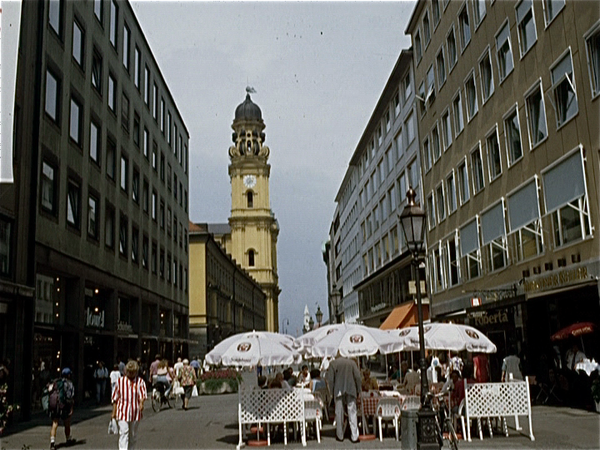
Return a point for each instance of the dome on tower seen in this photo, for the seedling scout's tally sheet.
(248, 110)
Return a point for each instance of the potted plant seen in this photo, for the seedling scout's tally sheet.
(218, 381)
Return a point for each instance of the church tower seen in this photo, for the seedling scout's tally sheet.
(254, 229)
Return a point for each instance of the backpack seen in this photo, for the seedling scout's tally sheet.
(56, 395)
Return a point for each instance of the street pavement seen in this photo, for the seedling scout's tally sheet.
(211, 423)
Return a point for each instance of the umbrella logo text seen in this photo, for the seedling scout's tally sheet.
(472, 334)
(356, 339)
(403, 333)
(244, 347)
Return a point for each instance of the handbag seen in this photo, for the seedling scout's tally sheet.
(195, 391)
(113, 427)
(177, 388)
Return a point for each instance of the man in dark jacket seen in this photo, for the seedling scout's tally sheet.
(344, 382)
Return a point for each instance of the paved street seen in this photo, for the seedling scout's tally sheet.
(211, 422)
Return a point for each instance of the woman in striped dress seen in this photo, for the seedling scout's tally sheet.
(128, 404)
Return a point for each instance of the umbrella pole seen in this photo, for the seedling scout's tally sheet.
(387, 375)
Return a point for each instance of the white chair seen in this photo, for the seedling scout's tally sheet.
(388, 409)
(312, 411)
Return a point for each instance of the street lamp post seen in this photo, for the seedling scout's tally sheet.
(319, 316)
(413, 220)
(311, 324)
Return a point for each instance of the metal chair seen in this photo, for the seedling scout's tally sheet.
(388, 409)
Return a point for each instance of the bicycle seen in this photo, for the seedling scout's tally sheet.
(158, 396)
(443, 420)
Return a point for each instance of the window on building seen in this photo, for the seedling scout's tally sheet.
(95, 141)
(426, 29)
(512, 131)
(93, 228)
(251, 256)
(123, 236)
(504, 52)
(465, 27)
(162, 115)
(388, 124)
(524, 221)
(536, 116)
(49, 187)
(418, 48)
(55, 12)
(154, 204)
(471, 92)
(155, 101)
(430, 95)
(493, 153)
(135, 243)
(463, 183)
(421, 95)
(413, 176)
(136, 129)
(169, 128)
(137, 67)
(168, 220)
(146, 143)
(451, 44)
(124, 173)
(161, 214)
(446, 130)
(98, 8)
(409, 129)
(592, 41)
(469, 247)
(111, 150)
(564, 91)
(451, 193)
(126, 46)
(97, 71)
(435, 143)
(430, 212)
(452, 260)
(441, 67)
(479, 11)
(389, 158)
(76, 116)
(161, 264)
(440, 201)
(250, 199)
(145, 249)
(78, 43)
(407, 87)
(477, 170)
(457, 107)
(125, 112)
(112, 93)
(526, 25)
(147, 85)
(486, 76)
(552, 8)
(146, 196)
(52, 102)
(402, 187)
(135, 186)
(565, 196)
(114, 12)
(74, 203)
(435, 11)
(109, 227)
(426, 155)
(493, 237)
(437, 275)
(154, 156)
(397, 105)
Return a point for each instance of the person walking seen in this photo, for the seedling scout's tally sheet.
(481, 368)
(187, 380)
(62, 399)
(128, 405)
(114, 377)
(344, 381)
(100, 376)
(511, 365)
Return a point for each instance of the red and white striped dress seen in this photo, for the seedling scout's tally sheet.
(128, 395)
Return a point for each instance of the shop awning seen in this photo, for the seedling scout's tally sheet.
(404, 315)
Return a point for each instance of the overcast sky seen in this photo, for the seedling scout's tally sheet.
(318, 69)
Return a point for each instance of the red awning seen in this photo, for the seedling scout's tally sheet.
(404, 315)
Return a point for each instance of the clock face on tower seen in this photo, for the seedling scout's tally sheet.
(249, 181)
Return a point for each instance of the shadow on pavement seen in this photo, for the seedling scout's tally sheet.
(73, 444)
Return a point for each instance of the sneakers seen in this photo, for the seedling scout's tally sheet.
(52, 446)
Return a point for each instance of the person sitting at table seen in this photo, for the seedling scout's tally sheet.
(276, 383)
(304, 376)
(316, 382)
(262, 382)
(288, 376)
(412, 380)
(368, 382)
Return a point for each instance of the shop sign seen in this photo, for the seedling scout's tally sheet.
(483, 318)
(563, 278)
(124, 327)
(94, 318)
(378, 307)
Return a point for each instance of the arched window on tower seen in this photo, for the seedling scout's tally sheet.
(250, 199)
(251, 258)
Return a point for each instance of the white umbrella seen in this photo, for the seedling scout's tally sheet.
(448, 336)
(253, 348)
(353, 340)
(307, 340)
